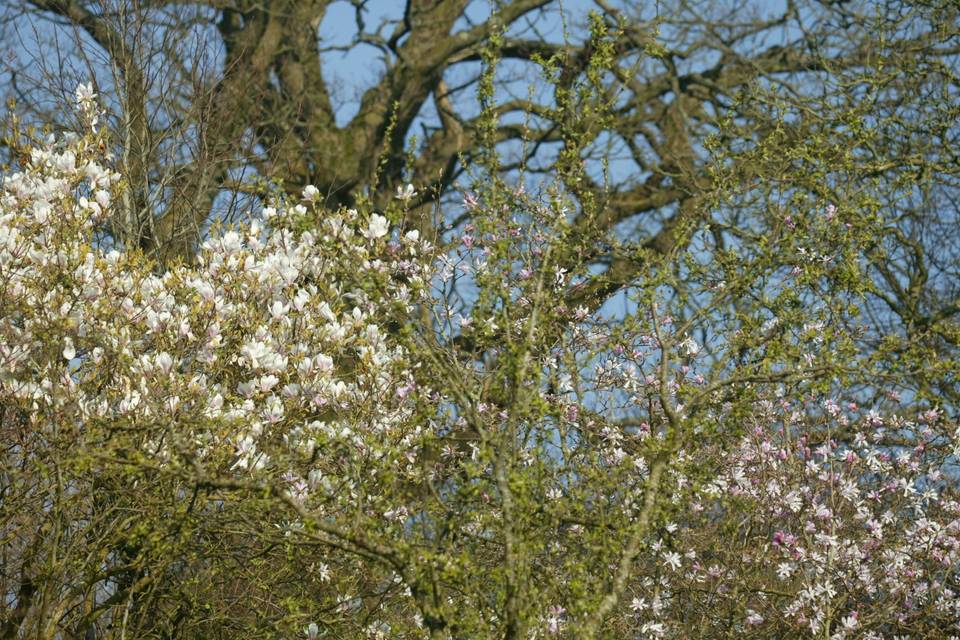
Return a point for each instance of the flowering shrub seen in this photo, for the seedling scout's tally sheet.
(269, 357)
(301, 434)
(819, 540)
(273, 327)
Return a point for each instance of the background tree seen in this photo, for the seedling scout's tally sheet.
(209, 98)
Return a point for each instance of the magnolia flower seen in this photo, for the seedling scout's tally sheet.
(851, 621)
(69, 351)
(323, 363)
(672, 558)
(794, 501)
(326, 312)
(785, 570)
(324, 571)
(268, 382)
(555, 620)
(406, 193)
(204, 289)
(164, 362)
(84, 92)
(559, 275)
(273, 411)
(278, 309)
(65, 162)
(690, 346)
(102, 197)
(377, 227)
(255, 351)
(311, 193)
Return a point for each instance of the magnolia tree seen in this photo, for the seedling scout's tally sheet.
(330, 426)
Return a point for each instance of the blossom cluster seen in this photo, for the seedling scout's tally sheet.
(267, 351)
(813, 528)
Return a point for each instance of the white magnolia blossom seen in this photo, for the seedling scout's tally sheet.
(267, 330)
(377, 227)
(406, 193)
